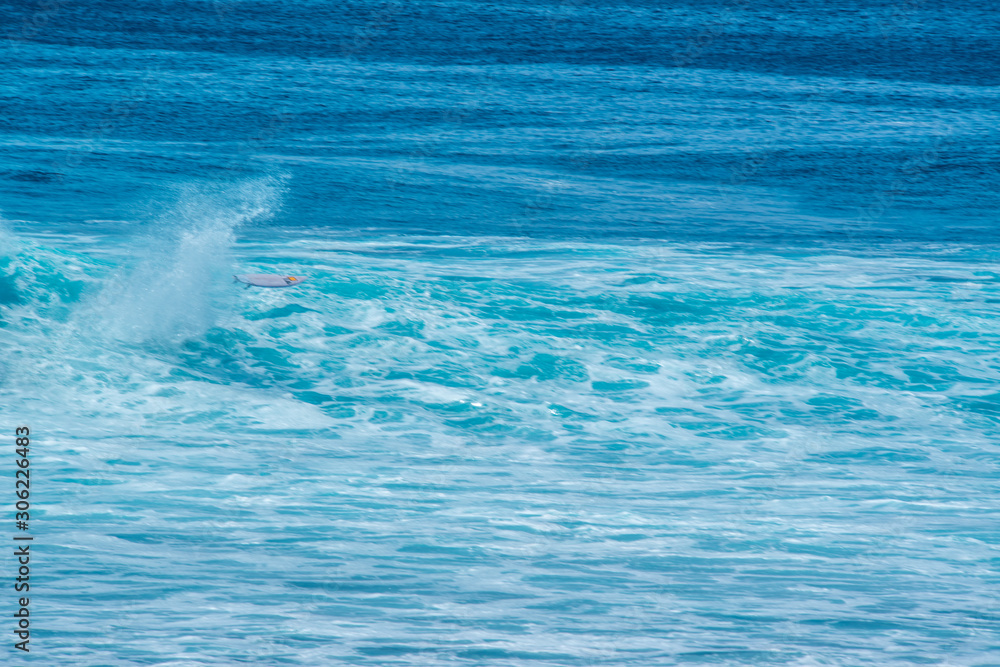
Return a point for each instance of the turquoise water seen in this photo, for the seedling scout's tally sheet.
(631, 333)
(505, 450)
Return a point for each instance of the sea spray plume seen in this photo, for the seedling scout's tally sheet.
(167, 294)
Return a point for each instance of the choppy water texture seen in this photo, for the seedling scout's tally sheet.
(633, 334)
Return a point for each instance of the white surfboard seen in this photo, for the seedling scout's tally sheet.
(268, 280)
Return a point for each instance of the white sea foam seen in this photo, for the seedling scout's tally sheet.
(610, 439)
(168, 289)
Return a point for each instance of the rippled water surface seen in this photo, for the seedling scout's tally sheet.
(450, 449)
(630, 333)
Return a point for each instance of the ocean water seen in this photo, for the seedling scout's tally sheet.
(632, 333)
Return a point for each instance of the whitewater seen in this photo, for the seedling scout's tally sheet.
(631, 333)
(452, 449)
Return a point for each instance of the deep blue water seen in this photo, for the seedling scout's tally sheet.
(632, 333)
